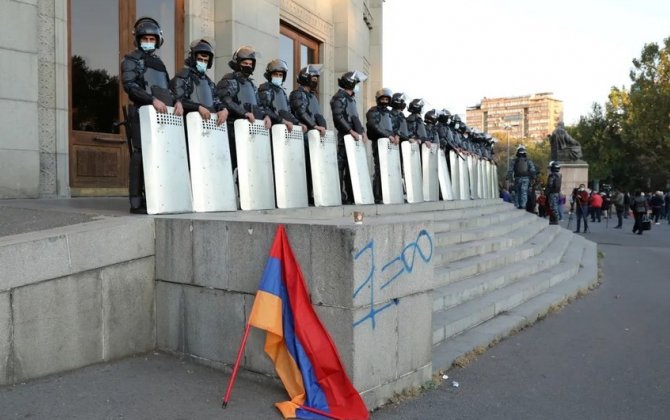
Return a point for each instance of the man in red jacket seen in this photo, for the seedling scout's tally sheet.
(580, 199)
(596, 205)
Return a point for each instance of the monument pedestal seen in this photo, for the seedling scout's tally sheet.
(573, 174)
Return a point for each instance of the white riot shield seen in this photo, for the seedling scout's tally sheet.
(323, 162)
(494, 180)
(389, 168)
(472, 173)
(166, 178)
(357, 158)
(211, 171)
(431, 187)
(254, 166)
(443, 176)
(411, 162)
(455, 176)
(464, 178)
(487, 179)
(288, 150)
(480, 177)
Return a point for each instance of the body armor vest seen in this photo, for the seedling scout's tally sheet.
(385, 121)
(246, 93)
(279, 102)
(313, 107)
(202, 93)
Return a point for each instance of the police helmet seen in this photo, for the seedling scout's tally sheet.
(444, 116)
(147, 26)
(430, 116)
(349, 79)
(202, 46)
(245, 52)
(306, 73)
(383, 93)
(555, 166)
(398, 101)
(415, 106)
(274, 66)
(521, 150)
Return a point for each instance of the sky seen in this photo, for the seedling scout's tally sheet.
(453, 54)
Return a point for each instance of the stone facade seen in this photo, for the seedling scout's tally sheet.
(34, 90)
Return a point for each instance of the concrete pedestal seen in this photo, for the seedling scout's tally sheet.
(573, 174)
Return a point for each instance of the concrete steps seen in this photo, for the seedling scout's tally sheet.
(497, 278)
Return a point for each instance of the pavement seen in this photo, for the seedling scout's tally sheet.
(605, 356)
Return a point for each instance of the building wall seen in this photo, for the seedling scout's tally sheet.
(34, 91)
(531, 117)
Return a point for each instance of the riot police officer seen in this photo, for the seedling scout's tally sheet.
(522, 172)
(415, 124)
(347, 121)
(430, 121)
(305, 106)
(272, 97)
(194, 88)
(238, 94)
(398, 104)
(553, 190)
(380, 125)
(146, 81)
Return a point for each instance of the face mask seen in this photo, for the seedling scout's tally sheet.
(456, 126)
(277, 81)
(313, 84)
(200, 66)
(248, 70)
(357, 89)
(147, 46)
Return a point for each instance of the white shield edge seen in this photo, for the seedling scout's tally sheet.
(430, 184)
(288, 149)
(443, 176)
(164, 159)
(211, 169)
(465, 179)
(357, 158)
(411, 161)
(254, 165)
(472, 173)
(487, 178)
(455, 176)
(325, 176)
(389, 170)
(494, 180)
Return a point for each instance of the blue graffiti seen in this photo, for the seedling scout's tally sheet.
(406, 258)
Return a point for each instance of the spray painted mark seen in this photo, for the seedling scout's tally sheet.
(423, 246)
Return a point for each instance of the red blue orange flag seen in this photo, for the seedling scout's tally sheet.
(305, 358)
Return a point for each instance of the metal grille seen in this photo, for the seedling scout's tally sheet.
(258, 128)
(169, 119)
(211, 125)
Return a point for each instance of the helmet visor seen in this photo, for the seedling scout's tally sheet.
(359, 76)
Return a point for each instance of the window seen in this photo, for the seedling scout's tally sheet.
(298, 50)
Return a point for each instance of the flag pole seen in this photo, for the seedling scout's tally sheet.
(233, 375)
(321, 413)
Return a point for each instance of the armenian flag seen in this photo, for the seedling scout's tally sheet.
(305, 358)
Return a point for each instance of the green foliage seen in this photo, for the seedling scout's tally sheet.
(627, 143)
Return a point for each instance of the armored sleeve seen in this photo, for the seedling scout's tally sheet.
(133, 83)
(339, 109)
(266, 103)
(299, 103)
(321, 120)
(226, 90)
(532, 169)
(218, 105)
(182, 88)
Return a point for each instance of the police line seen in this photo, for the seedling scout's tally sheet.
(272, 172)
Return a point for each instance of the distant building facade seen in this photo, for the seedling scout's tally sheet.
(531, 117)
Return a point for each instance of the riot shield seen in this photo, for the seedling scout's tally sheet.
(211, 170)
(464, 178)
(443, 176)
(431, 187)
(254, 165)
(325, 176)
(411, 162)
(472, 173)
(288, 149)
(166, 177)
(455, 175)
(389, 169)
(357, 158)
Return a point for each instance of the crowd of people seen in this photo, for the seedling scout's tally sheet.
(146, 81)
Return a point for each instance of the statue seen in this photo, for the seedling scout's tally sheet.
(563, 146)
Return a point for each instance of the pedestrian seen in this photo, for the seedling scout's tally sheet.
(617, 200)
(656, 203)
(626, 204)
(146, 81)
(595, 206)
(581, 206)
(640, 208)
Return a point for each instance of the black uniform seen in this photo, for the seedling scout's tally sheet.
(238, 94)
(379, 125)
(345, 118)
(144, 78)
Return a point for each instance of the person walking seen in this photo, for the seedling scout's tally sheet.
(617, 200)
(640, 208)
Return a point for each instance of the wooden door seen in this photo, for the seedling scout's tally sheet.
(100, 35)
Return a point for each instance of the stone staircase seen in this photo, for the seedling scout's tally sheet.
(498, 269)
